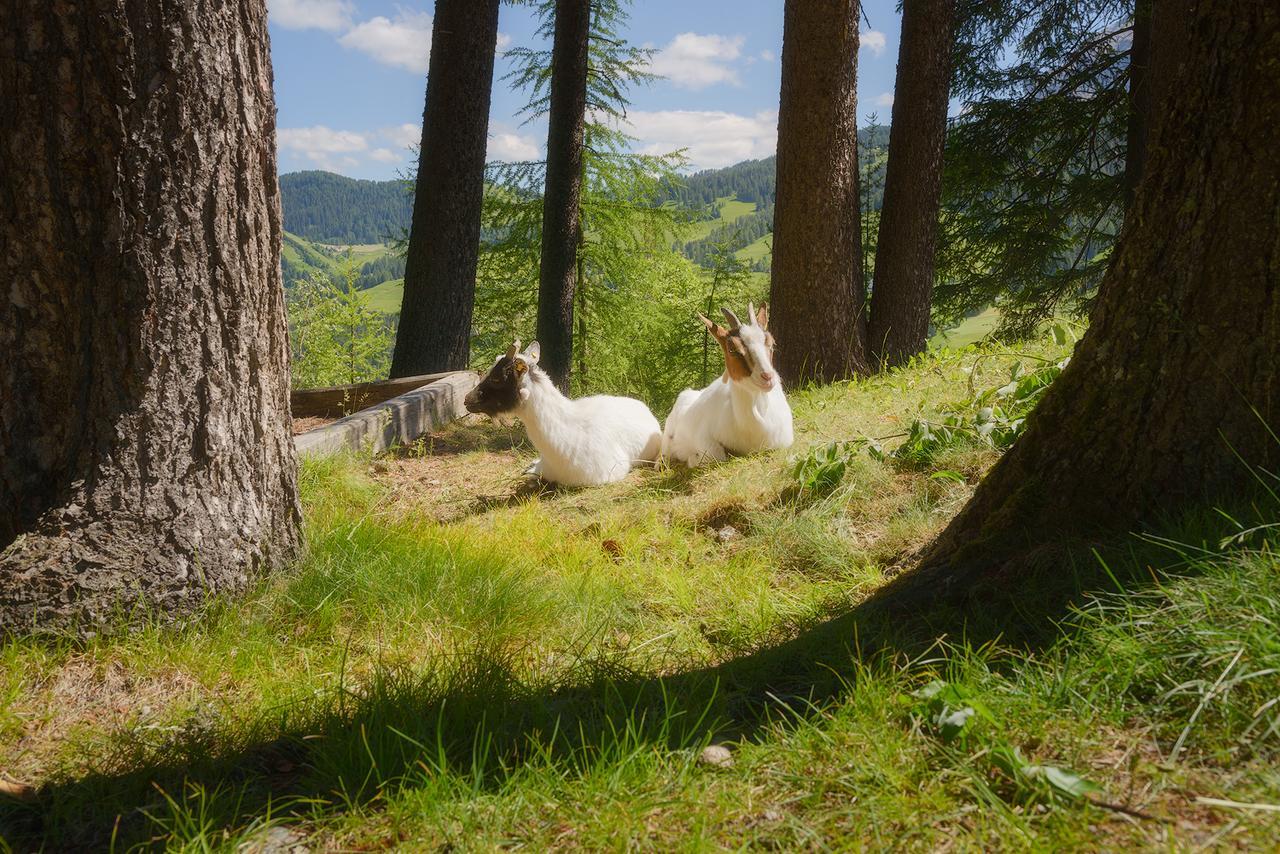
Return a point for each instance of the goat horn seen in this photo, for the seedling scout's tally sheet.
(734, 322)
(751, 313)
(513, 349)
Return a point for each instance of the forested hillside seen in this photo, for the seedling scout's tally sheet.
(754, 182)
(328, 208)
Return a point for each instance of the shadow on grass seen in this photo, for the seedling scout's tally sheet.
(476, 719)
(467, 436)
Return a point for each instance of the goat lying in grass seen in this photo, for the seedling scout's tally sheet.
(742, 412)
(583, 442)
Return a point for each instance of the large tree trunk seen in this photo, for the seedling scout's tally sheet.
(145, 450)
(1165, 403)
(444, 240)
(899, 324)
(562, 197)
(816, 293)
(1139, 99)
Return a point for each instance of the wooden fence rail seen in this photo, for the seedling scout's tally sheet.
(399, 420)
(338, 400)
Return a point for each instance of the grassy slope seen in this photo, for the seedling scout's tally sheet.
(971, 330)
(759, 248)
(462, 662)
(731, 210)
(387, 296)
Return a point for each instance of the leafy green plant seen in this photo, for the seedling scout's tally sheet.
(956, 716)
(995, 418)
(336, 336)
(821, 469)
(952, 712)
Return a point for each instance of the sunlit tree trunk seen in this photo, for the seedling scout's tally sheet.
(145, 450)
(899, 324)
(1166, 403)
(561, 205)
(434, 333)
(817, 294)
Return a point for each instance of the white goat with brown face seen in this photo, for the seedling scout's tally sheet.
(583, 442)
(742, 412)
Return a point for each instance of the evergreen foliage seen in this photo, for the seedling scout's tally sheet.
(1032, 193)
(336, 337)
(328, 208)
(635, 329)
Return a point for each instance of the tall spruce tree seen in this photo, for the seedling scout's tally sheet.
(1034, 171)
(817, 296)
(562, 194)
(444, 240)
(621, 226)
(1173, 394)
(146, 459)
(907, 237)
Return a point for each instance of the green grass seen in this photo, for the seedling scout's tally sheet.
(756, 250)
(386, 297)
(303, 255)
(971, 330)
(731, 210)
(361, 253)
(461, 662)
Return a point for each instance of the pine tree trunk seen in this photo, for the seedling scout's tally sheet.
(1139, 99)
(563, 194)
(145, 450)
(899, 324)
(1165, 402)
(816, 292)
(434, 333)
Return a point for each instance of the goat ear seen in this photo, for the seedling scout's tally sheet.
(533, 352)
(714, 328)
(762, 316)
(734, 322)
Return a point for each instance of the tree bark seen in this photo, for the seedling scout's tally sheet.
(1166, 402)
(434, 333)
(145, 451)
(1139, 99)
(899, 324)
(817, 297)
(561, 203)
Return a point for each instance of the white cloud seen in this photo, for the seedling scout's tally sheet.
(884, 99)
(507, 145)
(323, 147)
(504, 42)
(403, 135)
(403, 43)
(872, 40)
(386, 155)
(767, 55)
(311, 14)
(712, 138)
(696, 61)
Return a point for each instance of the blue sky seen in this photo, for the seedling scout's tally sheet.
(350, 77)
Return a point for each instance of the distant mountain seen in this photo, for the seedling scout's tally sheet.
(756, 180)
(715, 194)
(328, 208)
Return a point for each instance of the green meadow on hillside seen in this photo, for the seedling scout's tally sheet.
(464, 660)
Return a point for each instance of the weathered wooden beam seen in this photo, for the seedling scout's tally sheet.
(398, 421)
(337, 400)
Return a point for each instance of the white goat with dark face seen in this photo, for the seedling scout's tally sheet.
(583, 442)
(742, 412)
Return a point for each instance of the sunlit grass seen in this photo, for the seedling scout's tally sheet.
(459, 662)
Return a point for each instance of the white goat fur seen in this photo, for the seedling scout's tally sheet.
(583, 442)
(738, 416)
